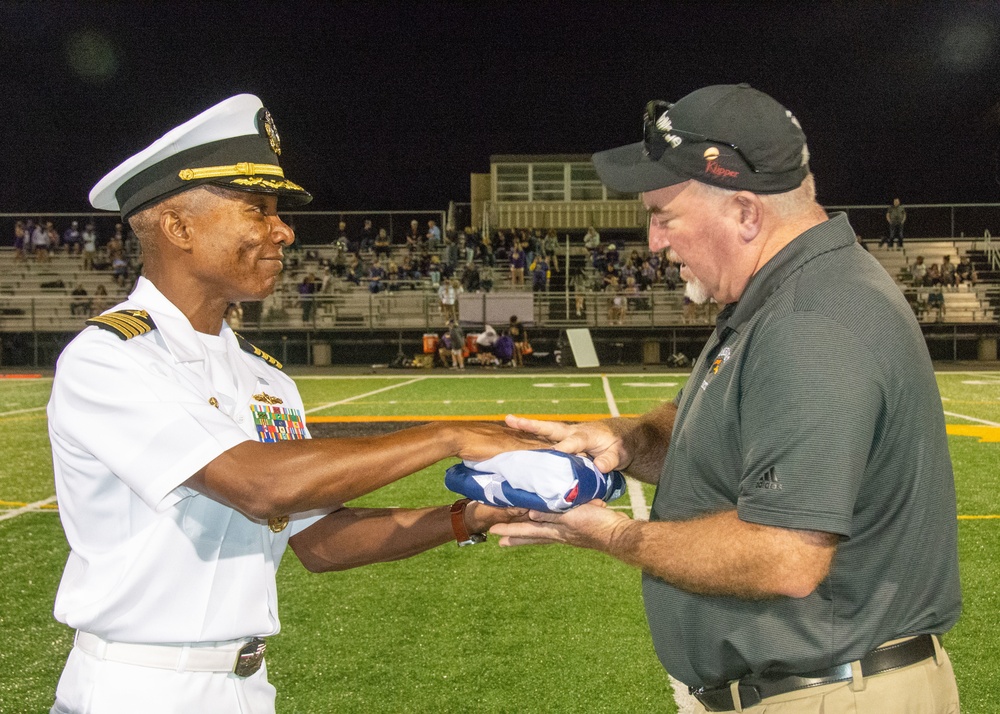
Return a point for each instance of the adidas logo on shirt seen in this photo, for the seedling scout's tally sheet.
(768, 480)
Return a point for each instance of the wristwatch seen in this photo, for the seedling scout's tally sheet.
(462, 534)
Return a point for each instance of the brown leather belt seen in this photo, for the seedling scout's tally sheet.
(754, 689)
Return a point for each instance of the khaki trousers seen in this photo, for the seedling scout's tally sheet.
(926, 687)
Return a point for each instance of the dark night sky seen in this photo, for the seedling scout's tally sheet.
(385, 105)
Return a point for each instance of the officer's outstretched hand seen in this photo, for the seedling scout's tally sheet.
(598, 440)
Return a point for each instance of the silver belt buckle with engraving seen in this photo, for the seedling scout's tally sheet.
(249, 659)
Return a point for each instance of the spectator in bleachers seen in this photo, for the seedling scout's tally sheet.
(965, 273)
(470, 278)
(599, 262)
(116, 246)
(89, 241)
(502, 245)
(472, 240)
(20, 237)
(307, 296)
(518, 262)
(79, 305)
(40, 242)
(895, 217)
(671, 275)
(448, 296)
(616, 301)
(531, 244)
(326, 282)
(486, 278)
(633, 296)
(414, 240)
(342, 239)
(550, 248)
(579, 284)
(434, 271)
(918, 272)
(933, 275)
(376, 277)
(628, 270)
(449, 256)
(486, 250)
(611, 255)
(119, 270)
(338, 263)
(101, 301)
(72, 238)
(392, 277)
(355, 270)
(383, 246)
(366, 239)
(409, 271)
(948, 277)
(540, 274)
(591, 239)
(433, 235)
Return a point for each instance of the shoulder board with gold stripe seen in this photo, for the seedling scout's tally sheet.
(246, 346)
(126, 324)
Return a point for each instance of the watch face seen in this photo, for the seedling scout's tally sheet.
(474, 538)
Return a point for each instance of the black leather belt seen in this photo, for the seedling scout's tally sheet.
(754, 689)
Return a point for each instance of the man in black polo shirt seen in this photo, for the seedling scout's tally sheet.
(801, 553)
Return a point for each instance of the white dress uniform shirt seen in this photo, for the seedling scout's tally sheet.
(151, 560)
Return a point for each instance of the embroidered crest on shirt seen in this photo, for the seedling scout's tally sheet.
(126, 324)
(277, 423)
(724, 354)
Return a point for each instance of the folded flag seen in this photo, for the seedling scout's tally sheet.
(543, 480)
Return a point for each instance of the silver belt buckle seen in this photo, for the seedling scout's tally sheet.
(249, 658)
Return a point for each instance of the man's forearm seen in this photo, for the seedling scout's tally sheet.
(265, 480)
(352, 537)
(720, 554)
(647, 438)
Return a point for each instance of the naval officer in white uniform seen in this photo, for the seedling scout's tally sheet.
(183, 464)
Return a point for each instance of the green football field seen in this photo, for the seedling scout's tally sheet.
(475, 629)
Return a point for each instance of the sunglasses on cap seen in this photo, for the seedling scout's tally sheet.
(659, 134)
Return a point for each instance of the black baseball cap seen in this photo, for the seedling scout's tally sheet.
(727, 135)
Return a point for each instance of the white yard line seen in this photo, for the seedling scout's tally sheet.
(636, 497)
(640, 511)
(970, 418)
(22, 411)
(27, 509)
(366, 394)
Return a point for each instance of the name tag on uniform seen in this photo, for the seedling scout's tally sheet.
(277, 423)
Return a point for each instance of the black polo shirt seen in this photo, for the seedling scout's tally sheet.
(814, 406)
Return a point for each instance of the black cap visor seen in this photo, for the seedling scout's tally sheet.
(628, 169)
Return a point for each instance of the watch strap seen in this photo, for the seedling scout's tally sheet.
(462, 535)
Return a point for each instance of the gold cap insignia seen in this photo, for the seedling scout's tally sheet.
(266, 122)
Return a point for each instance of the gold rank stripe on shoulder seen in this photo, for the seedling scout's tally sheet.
(126, 324)
(247, 346)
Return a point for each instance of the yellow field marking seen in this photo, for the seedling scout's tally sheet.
(978, 518)
(22, 504)
(986, 434)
